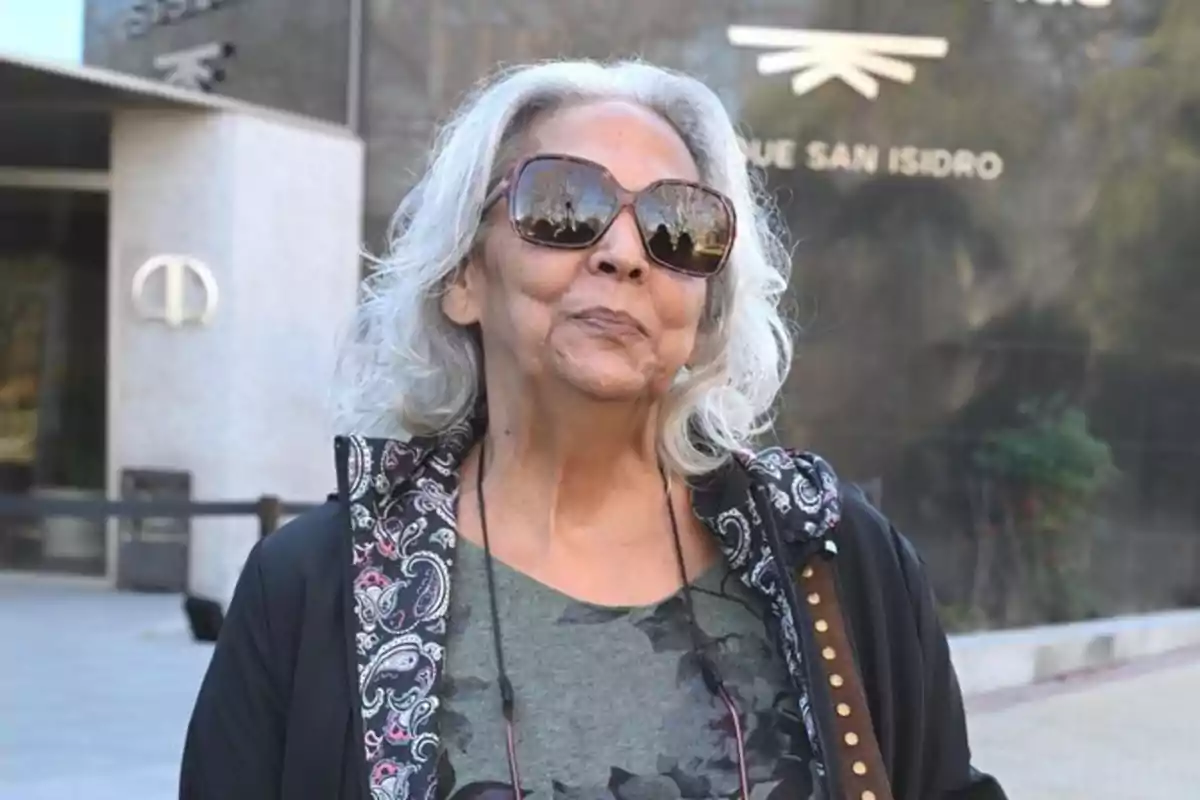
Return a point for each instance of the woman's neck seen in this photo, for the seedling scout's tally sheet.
(568, 456)
(574, 497)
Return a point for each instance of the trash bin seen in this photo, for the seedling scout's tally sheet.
(152, 552)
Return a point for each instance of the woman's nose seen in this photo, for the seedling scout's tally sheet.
(620, 251)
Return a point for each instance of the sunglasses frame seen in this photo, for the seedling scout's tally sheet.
(626, 198)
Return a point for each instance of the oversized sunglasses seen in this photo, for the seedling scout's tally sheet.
(569, 203)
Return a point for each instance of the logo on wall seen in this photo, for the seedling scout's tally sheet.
(195, 68)
(185, 291)
(857, 59)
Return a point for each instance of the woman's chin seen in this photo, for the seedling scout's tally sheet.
(610, 383)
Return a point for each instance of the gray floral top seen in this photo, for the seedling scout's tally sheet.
(610, 703)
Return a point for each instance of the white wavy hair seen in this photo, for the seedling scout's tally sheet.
(409, 370)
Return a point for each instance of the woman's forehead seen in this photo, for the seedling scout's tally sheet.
(635, 143)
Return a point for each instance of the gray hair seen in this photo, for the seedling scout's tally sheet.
(410, 371)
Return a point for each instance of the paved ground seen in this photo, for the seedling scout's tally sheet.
(1128, 734)
(96, 688)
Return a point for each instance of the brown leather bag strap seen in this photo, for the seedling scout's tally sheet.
(863, 775)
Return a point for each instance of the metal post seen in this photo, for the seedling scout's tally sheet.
(355, 67)
(269, 512)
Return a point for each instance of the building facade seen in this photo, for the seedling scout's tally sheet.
(167, 324)
(992, 204)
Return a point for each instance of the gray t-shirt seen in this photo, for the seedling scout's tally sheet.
(609, 701)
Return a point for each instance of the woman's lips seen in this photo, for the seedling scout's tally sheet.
(610, 320)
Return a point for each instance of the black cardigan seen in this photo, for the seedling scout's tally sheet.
(276, 716)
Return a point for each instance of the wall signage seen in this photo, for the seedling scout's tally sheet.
(177, 290)
(857, 59)
(868, 159)
(148, 14)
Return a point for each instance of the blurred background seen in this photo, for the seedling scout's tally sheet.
(993, 206)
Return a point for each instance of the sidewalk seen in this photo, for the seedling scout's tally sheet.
(95, 690)
(1129, 734)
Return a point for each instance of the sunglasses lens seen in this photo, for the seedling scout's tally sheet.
(562, 203)
(559, 202)
(687, 228)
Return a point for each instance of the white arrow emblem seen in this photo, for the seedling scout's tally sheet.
(194, 68)
(818, 57)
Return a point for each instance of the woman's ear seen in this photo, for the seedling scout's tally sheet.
(460, 300)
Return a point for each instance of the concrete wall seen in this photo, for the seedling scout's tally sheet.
(274, 211)
(990, 662)
(420, 57)
(286, 54)
(934, 305)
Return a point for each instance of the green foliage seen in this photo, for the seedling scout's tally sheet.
(1051, 450)
(1049, 469)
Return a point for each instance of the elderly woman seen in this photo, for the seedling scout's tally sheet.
(562, 571)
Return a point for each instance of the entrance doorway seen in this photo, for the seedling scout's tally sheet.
(53, 369)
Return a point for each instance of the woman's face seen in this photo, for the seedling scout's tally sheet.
(606, 320)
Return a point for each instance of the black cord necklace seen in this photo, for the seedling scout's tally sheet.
(507, 697)
(708, 670)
